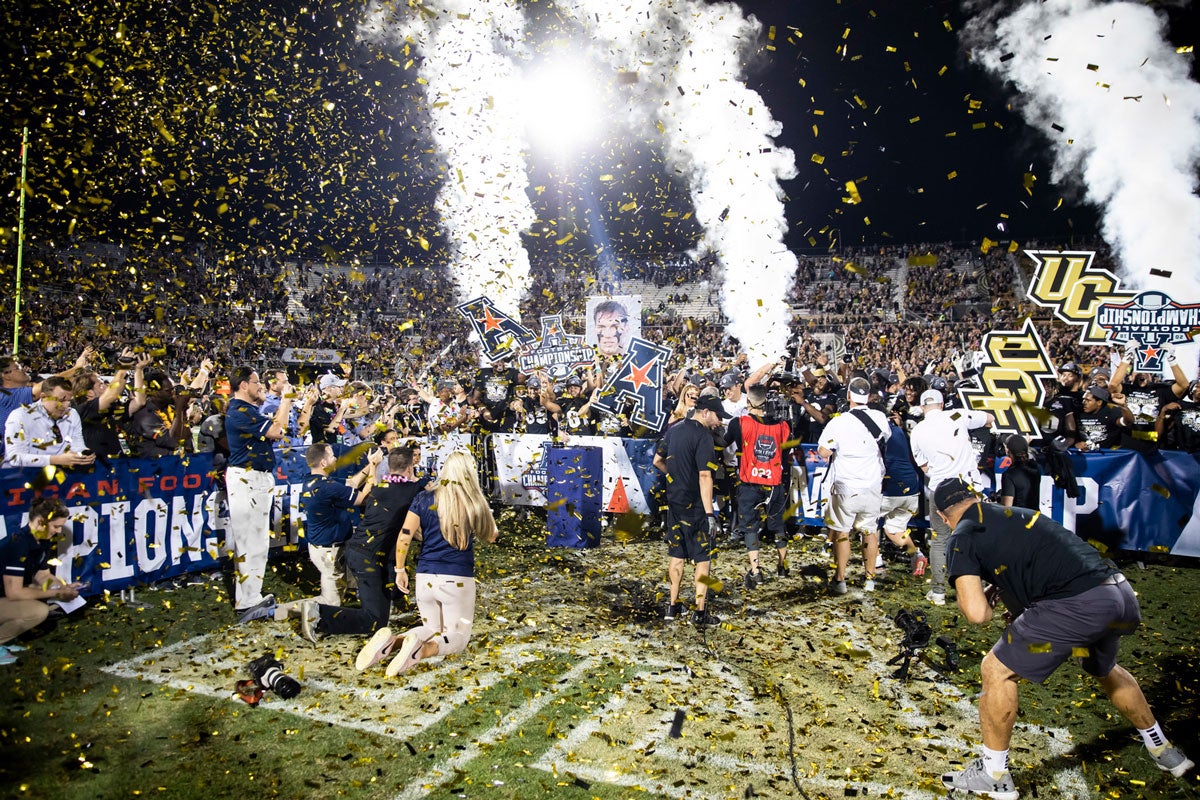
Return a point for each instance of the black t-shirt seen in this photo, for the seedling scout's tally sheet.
(322, 415)
(570, 423)
(495, 388)
(100, 428)
(384, 511)
(1101, 427)
(1183, 431)
(150, 429)
(1029, 559)
(1022, 482)
(1145, 402)
(687, 448)
(987, 447)
(1060, 406)
(23, 555)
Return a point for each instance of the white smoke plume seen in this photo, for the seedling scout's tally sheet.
(470, 49)
(720, 135)
(1129, 116)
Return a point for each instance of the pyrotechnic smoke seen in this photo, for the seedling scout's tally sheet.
(468, 47)
(720, 135)
(1115, 100)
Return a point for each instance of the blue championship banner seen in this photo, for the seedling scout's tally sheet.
(1126, 501)
(142, 521)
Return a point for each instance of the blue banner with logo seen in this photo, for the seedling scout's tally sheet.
(140, 521)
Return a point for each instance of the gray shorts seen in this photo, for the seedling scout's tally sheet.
(1088, 626)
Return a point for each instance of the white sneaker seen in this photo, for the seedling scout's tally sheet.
(937, 598)
(869, 585)
(376, 649)
(407, 658)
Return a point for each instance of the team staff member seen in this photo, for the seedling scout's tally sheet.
(941, 446)
(762, 457)
(1021, 484)
(47, 432)
(28, 582)
(855, 479)
(1064, 599)
(687, 456)
(250, 483)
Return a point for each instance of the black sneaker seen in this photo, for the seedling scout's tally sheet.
(752, 580)
(782, 570)
(674, 610)
(705, 617)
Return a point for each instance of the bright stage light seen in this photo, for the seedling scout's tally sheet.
(563, 101)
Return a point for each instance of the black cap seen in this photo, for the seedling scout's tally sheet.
(1100, 393)
(712, 404)
(1071, 366)
(951, 492)
(1016, 443)
(574, 380)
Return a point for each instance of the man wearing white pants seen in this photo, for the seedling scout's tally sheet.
(941, 447)
(250, 483)
(855, 480)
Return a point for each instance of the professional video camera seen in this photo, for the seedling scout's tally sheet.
(917, 634)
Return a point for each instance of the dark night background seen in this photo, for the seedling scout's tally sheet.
(268, 127)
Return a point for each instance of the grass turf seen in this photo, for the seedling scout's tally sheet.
(570, 688)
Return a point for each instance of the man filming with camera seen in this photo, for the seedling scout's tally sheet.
(1065, 601)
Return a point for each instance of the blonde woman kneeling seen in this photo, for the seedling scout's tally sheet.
(448, 518)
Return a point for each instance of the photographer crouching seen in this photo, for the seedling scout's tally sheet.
(1065, 601)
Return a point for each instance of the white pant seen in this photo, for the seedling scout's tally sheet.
(853, 509)
(327, 562)
(897, 511)
(251, 497)
(447, 606)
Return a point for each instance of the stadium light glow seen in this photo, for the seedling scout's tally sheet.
(562, 103)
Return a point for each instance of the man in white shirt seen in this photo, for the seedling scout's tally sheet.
(941, 446)
(47, 432)
(854, 442)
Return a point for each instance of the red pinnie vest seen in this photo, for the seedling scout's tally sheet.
(761, 457)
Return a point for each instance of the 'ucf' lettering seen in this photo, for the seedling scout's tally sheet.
(1068, 283)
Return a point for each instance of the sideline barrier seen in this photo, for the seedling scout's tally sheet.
(140, 521)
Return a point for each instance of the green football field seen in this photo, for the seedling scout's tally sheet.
(573, 687)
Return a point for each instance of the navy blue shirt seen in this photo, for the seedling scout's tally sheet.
(246, 431)
(23, 555)
(439, 557)
(900, 478)
(323, 501)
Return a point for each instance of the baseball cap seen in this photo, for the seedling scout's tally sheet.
(730, 380)
(1016, 443)
(859, 390)
(697, 379)
(1071, 366)
(574, 380)
(951, 492)
(1100, 393)
(329, 379)
(712, 404)
(1100, 371)
(533, 382)
(938, 383)
(932, 397)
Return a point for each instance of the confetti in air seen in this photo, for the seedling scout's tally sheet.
(721, 136)
(1123, 117)
(469, 70)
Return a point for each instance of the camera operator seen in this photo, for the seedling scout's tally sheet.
(1065, 599)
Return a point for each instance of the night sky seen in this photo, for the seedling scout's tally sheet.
(271, 128)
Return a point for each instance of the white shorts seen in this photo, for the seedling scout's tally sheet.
(857, 510)
(897, 511)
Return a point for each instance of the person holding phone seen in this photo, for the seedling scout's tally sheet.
(28, 581)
